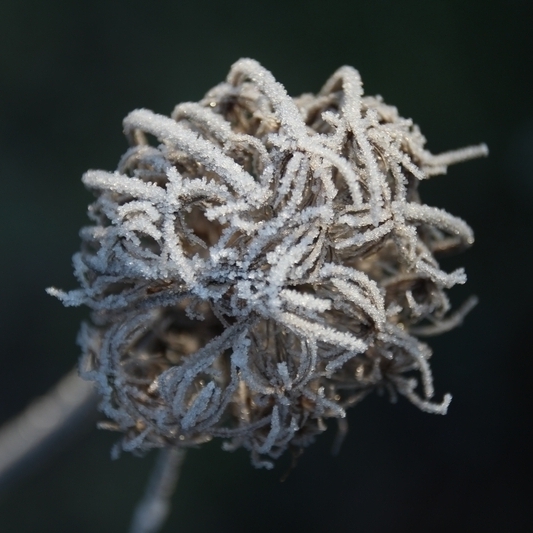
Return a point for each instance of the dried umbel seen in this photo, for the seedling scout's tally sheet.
(259, 263)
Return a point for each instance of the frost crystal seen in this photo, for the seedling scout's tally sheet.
(259, 263)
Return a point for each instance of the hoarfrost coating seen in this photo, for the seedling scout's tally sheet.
(263, 265)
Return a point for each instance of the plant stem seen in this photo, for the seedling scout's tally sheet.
(153, 509)
(44, 427)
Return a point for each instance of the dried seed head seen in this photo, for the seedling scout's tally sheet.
(263, 265)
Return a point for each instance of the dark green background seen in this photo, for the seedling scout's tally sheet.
(70, 71)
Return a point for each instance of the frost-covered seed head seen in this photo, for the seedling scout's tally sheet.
(259, 263)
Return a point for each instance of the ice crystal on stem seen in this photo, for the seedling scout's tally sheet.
(259, 263)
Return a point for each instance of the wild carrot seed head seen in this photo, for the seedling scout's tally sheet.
(259, 263)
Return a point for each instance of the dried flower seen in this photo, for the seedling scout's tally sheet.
(263, 266)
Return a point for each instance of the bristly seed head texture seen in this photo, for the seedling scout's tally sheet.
(259, 263)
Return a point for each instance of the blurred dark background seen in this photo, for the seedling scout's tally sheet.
(70, 71)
